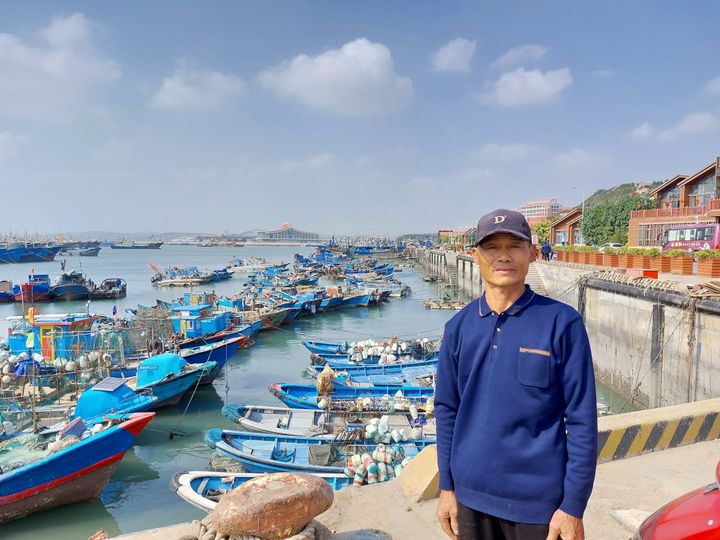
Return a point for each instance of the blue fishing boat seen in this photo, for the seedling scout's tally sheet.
(331, 302)
(6, 294)
(323, 347)
(169, 377)
(76, 473)
(306, 397)
(429, 366)
(39, 252)
(111, 396)
(355, 300)
(37, 289)
(217, 352)
(344, 364)
(261, 453)
(203, 489)
(313, 423)
(71, 286)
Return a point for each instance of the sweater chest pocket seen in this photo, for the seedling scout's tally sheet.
(534, 367)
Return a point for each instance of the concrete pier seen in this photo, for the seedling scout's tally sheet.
(652, 342)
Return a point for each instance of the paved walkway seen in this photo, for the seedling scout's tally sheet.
(642, 483)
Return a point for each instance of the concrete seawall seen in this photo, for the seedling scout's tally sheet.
(652, 342)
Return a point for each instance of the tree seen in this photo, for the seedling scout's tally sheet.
(609, 222)
(542, 229)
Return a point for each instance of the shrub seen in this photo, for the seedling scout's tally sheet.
(708, 254)
(678, 253)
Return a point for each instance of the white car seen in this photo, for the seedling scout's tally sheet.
(613, 245)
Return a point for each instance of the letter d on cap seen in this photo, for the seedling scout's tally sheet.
(499, 219)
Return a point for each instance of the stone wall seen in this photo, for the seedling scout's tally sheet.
(657, 348)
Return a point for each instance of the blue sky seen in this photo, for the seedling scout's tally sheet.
(342, 117)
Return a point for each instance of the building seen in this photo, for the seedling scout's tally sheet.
(287, 234)
(456, 236)
(539, 210)
(682, 200)
(566, 229)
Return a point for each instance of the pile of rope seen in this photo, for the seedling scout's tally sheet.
(203, 530)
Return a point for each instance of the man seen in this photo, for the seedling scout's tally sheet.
(546, 250)
(515, 403)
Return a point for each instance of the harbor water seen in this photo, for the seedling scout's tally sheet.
(137, 497)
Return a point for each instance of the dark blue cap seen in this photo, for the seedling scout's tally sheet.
(503, 221)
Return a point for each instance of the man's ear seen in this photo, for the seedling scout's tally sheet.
(533, 252)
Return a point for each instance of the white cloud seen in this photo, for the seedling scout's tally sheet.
(190, 89)
(521, 55)
(712, 88)
(9, 144)
(578, 159)
(691, 124)
(356, 80)
(313, 163)
(53, 77)
(523, 88)
(643, 131)
(509, 152)
(454, 56)
(602, 74)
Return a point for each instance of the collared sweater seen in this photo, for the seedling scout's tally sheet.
(516, 410)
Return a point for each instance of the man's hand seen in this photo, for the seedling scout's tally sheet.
(447, 512)
(565, 526)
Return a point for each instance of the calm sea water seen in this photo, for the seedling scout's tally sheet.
(137, 497)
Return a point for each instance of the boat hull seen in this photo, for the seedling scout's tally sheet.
(76, 473)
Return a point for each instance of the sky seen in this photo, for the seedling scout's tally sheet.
(342, 117)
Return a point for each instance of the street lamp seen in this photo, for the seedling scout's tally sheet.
(582, 215)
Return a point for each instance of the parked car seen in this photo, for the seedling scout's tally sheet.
(694, 515)
(613, 245)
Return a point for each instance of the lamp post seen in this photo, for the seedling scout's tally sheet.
(582, 215)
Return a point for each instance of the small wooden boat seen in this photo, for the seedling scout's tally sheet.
(203, 489)
(310, 422)
(110, 288)
(342, 365)
(306, 397)
(262, 453)
(414, 368)
(76, 473)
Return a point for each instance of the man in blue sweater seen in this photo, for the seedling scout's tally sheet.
(515, 403)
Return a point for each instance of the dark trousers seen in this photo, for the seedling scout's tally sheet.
(476, 525)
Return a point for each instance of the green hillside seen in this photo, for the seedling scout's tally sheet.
(617, 193)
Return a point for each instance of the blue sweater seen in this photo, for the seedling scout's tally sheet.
(516, 410)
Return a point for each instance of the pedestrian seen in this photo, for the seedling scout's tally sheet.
(515, 402)
(546, 250)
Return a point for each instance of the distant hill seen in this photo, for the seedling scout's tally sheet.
(614, 194)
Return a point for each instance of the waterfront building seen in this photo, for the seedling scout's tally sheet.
(461, 235)
(539, 210)
(682, 200)
(286, 233)
(566, 229)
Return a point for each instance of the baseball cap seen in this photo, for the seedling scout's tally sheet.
(503, 221)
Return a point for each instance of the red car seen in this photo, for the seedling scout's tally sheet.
(695, 515)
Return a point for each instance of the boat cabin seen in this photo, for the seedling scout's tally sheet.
(52, 335)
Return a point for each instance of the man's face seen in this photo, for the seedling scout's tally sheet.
(504, 259)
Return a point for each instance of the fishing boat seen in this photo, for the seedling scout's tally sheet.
(247, 265)
(380, 369)
(321, 360)
(71, 286)
(168, 376)
(89, 252)
(110, 289)
(111, 396)
(309, 422)
(130, 244)
(37, 289)
(325, 347)
(261, 453)
(6, 291)
(39, 252)
(76, 473)
(217, 352)
(300, 396)
(355, 300)
(203, 489)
